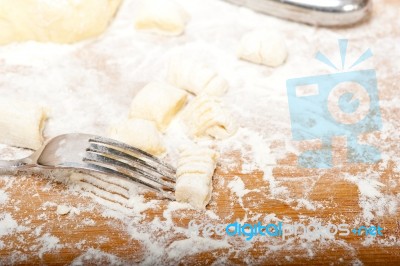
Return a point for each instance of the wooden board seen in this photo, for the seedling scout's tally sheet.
(29, 193)
(33, 199)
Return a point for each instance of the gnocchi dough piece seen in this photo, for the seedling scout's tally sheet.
(196, 167)
(161, 16)
(63, 209)
(158, 102)
(21, 124)
(206, 116)
(195, 77)
(139, 133)
(61, 21)
(263, 47)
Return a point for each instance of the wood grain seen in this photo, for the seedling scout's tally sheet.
(30, 195)
(339, 197)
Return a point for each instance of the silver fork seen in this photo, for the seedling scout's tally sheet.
(316, 12)
(90, 153)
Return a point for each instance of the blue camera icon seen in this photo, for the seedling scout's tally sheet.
(333, 105)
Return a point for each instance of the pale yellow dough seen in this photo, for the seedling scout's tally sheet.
(194, 174)
(206, 116)
(60, 21)
(158, 102)
(161, 16)
(21, 124)
(195, 76)
(139, 133)
(263, 46)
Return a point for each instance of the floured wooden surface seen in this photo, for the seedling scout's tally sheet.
(89, 85)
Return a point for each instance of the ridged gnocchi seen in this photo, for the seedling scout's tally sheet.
(195, 77)
(195, 170)
(206, 116)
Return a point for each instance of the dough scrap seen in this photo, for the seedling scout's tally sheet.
(263, 47)
(140, 133)
(195, 170)
(60, 21)
(63, 209)
(206, 116)
(161, 16)
(195, 77)
(21, 123)
(158, 102)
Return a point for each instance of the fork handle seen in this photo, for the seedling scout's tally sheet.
(11, 167)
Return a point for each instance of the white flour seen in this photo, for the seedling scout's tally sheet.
(3, 197)
(98, 256)
(88, 86)
(7, 224)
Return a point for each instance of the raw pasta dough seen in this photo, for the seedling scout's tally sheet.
(139, 133)
(206, 116)
(21, 124)
(62, 21)
(263, 47)
(195, 77)
(196, 167)
(158, 102)
(161, 16)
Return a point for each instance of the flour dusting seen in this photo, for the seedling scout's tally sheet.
(89, 85)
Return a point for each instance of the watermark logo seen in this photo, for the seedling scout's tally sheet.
(342, 104)
(313, 231)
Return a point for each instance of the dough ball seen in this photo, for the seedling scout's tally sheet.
(161, 16)
(195, 77)
(263, 47)
(139, 133)
(158, 102)
(61, 21)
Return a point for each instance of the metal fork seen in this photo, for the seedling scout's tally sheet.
(90, 153)
(316, 12)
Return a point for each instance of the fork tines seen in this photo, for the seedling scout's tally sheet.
(117, 158)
